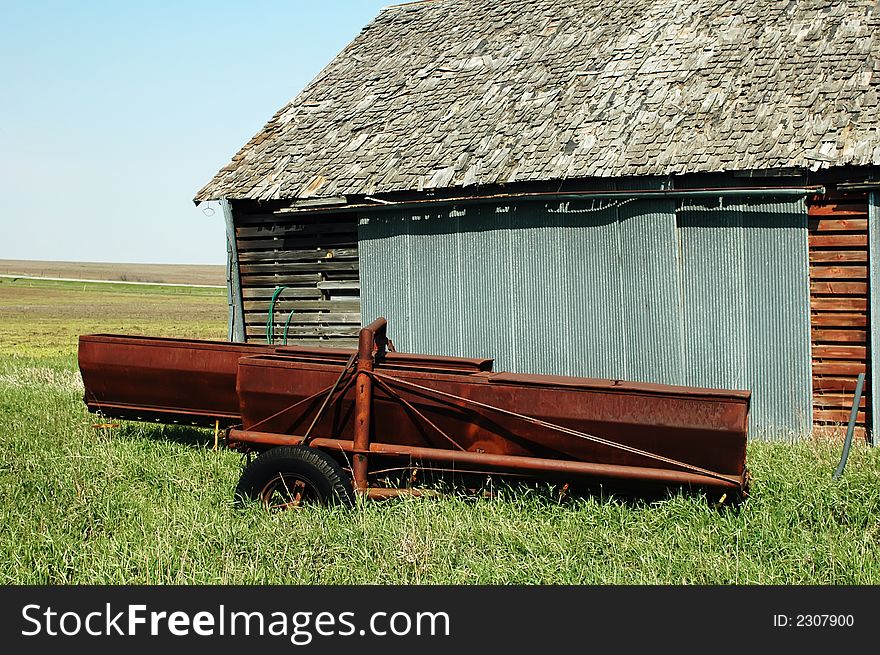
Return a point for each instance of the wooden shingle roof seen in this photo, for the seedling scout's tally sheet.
(455, 93)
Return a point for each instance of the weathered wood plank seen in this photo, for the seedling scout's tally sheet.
(839, 224)
(259, 330)
(839, 352)
(839, 368)
(841, 400)
(836, 416)
(838, 272)
(838, 240)
(860, 255)
(838, 319)
(256, 219)
(265, 293)
(302, 318)
(274, 280)
(307, 254)
(839, 304)
(268, 231)
(287, 305)
(820, 335)
(283, 268)
(339, 284)
(293, 242)
(295, 230)
(317, 342)
(839, 209)
(839, 288)
(837, 384)
(319, 241)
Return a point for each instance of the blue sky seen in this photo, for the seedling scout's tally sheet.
(113, 114)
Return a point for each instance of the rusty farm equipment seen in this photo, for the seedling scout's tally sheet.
(331, 424)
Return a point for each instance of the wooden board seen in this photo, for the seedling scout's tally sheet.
(824, 400)
(828, 384)
(305, 318)
(825, 352)
(285, 268)
(856, 255)
(838, 272)
(306, 254)
(838, 319)
(839, 304)
(286, 304)
(836, 288)
(839, 225)
(849, 368)
(838, 240)
(839, 209)
(850, 336)
(313, 331)
(837, 416)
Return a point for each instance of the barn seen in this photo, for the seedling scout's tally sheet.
(676, 191)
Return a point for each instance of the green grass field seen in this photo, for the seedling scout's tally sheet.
(152, 504)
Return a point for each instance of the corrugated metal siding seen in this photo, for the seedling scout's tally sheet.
(745, 268)
(874, 307)
(594, 289)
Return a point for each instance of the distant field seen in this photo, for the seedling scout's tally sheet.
(152, 504)
(162, 273)
(45, 318)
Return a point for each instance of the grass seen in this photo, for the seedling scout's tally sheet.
(152, 504)
(44, 318)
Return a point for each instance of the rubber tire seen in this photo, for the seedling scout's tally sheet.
(317, 467)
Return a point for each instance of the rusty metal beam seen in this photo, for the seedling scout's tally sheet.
(370, 337)
(500, 463)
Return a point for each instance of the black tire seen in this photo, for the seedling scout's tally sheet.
(290, 476)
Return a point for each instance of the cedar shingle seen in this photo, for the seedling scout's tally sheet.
(450, 93)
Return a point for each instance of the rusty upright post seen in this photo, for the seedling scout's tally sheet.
(368, 339)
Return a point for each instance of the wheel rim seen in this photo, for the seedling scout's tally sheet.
(288, 491)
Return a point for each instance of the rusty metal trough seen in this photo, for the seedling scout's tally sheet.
(333, 421)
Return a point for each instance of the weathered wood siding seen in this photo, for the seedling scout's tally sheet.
(839, 307)
(316, 259)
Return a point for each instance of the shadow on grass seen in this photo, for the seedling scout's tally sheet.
(472, 488)
(180, 434)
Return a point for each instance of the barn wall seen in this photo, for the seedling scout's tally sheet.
(746, 307)
(315, 258)
(701, 294)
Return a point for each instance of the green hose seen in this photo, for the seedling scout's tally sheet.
(270, 321)
(287, 325)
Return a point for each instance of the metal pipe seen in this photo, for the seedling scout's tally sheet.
(503, 462)
(762, 192)
(853, 415)
(332, 391)
(868, 185)
(367, 339)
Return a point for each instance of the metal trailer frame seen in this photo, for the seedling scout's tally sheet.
(363, 449)
(374, 411)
